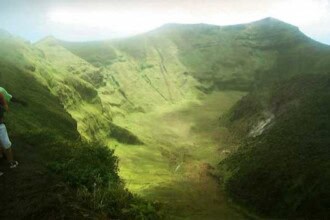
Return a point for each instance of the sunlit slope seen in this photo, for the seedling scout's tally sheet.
(60, 175)
(90, 94)
(228, 57)
(144, 83)
(264, 58)
(181, 147)
(72, 90)
(146, 71)
(177, 63)
(75, 82)
(18, 77)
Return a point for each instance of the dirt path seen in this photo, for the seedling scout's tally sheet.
(182, 147)
(29, 191)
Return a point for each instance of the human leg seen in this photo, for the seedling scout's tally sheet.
(9, 154)
(1, 152)
(6, 144)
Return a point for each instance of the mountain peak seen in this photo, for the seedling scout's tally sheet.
(48, 39)
(4, 33)
(270, 21)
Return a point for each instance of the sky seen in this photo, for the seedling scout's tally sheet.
(86, 20)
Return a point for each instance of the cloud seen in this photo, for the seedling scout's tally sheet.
(95, 19)
(300, 12)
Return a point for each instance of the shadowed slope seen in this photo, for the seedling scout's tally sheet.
(30, 191)
(283, 170)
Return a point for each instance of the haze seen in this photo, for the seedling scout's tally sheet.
(87, 20)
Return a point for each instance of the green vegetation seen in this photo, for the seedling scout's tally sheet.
(91, 162)
(60, 175)
(85, 91)
(124, 136)
(179, 64)
(164, 92)
(97, 53)
(180, 148)
(285, 171)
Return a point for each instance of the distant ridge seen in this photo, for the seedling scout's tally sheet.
(4, 33)
(268, 21)
(49, 38)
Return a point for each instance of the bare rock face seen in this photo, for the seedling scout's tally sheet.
(262, 124)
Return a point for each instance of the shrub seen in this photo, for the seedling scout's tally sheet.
(285, 172)
(86, 164)
(123, 135)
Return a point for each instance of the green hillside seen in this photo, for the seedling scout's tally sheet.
(60, 175)
(257, 57)
(16, 71)
(284, 170)
(155, 100)
(229, 57)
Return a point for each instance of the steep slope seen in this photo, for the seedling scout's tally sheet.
(75, 82)
(148, 74)
(238, 56)
(229, 57)
(59, 176)
(79, 85)
(186, 63)
(146, 71)
(16, 70)
(164, 89)
(29, 190)
(282, 170)
(179, 63)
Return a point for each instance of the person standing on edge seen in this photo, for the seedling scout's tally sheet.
(5, 142)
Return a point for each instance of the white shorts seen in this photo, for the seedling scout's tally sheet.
(4, 139)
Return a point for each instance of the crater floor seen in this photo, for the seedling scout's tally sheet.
(183, 143)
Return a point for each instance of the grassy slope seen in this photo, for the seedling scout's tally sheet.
(285, 181)
(16, 71)
(181, 146)
(229, 57)
(115, 94)
(238, 57)
(85, 92)
(97, 53)
(285, 171)
(242, 57)
(71, 80)
(58, 172)
(146, 71)
(29, 186)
